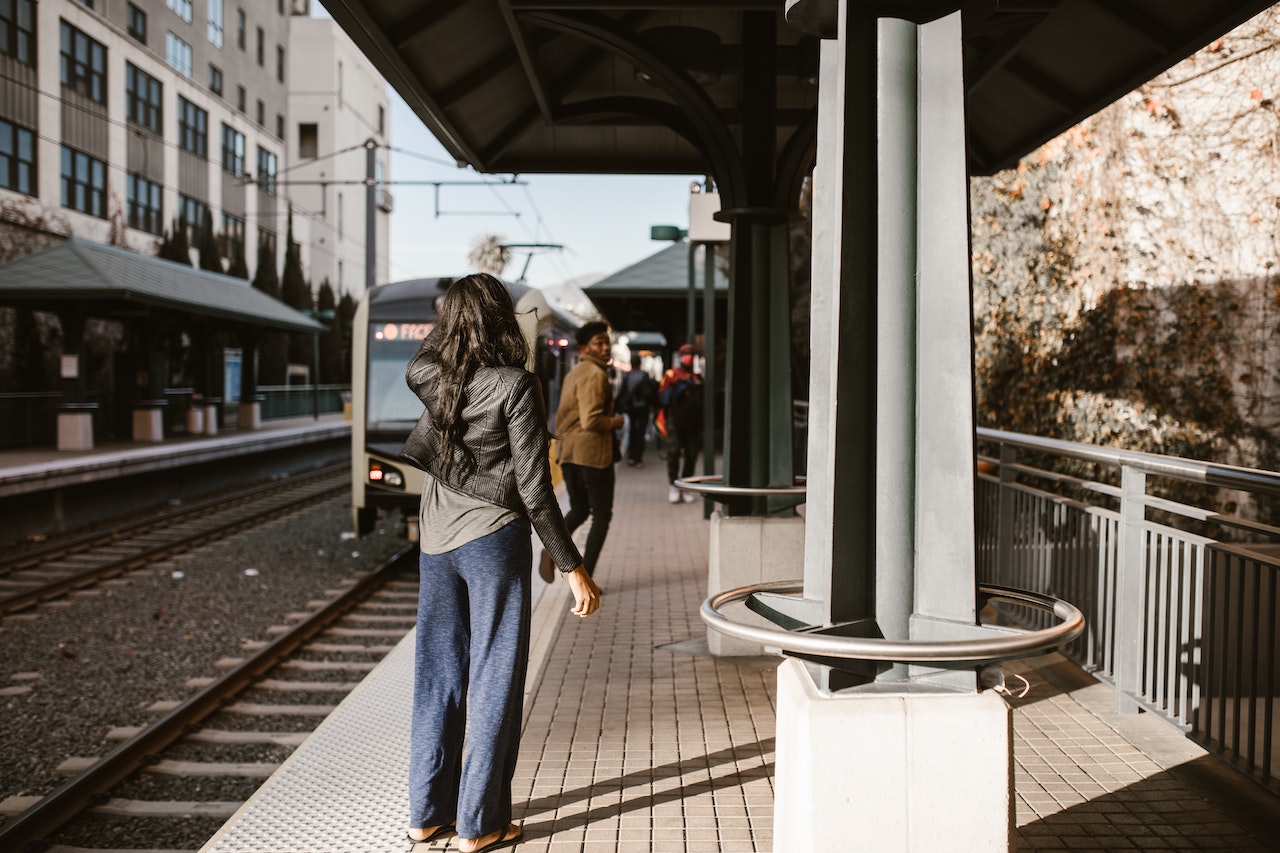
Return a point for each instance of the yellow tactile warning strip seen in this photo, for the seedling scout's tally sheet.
(636, 742)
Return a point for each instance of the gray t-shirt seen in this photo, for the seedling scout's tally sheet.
(449, 519)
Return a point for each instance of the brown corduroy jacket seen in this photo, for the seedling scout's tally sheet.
(584, 420)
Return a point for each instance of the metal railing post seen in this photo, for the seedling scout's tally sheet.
(1005, 522)
(1130, 589)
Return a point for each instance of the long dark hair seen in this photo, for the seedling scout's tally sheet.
(477, 328)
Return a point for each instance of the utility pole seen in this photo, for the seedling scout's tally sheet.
(370, 216)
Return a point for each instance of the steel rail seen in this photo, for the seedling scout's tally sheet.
(70, 799)
(1223, 476)
(78, 544)
(27, 598)
(1018, 644)
(712, 486)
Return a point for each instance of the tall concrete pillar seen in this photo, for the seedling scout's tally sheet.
(871, 749)
(756, 539)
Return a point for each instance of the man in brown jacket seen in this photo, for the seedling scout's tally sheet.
(584, 425)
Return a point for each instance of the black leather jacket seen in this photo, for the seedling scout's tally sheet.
(506, 431)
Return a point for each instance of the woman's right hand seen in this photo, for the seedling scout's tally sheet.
(586, 595)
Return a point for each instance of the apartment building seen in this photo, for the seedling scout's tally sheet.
(118, 118)
(338, 105)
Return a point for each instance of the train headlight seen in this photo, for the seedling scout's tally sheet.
(385, 475)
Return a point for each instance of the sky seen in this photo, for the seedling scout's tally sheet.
(602, 221)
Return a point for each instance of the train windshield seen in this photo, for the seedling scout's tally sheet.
(391, 405)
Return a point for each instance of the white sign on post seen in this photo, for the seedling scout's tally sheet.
(703, 228)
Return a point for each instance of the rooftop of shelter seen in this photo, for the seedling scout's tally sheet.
(110, 281)
(662, 274)
(530, 86)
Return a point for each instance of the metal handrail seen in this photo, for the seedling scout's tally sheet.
(713, 486)
(1224, 476)
(1020, 644)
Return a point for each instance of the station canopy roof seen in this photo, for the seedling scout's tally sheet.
(567, 85)
(662, 275)
(108, 281)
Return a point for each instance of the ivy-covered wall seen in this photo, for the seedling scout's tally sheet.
(1126, 288)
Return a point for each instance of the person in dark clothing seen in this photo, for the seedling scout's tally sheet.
(680, 420)
(636, 399)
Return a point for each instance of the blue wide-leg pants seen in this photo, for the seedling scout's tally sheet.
(472, 653)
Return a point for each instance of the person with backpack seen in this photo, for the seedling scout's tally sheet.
(680, 420)
(636, 399)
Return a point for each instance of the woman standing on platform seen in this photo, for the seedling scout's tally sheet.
(483, 442)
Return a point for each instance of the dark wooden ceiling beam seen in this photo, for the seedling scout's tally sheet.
(1000, 52)
(724, 158)
(649, 5)
(421, 19)
(578, 72)
(525, 52)
(449, 95)
(1143, 26)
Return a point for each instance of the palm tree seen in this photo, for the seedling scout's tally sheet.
(488, 254)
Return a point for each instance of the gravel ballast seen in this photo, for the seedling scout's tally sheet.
(79, 667)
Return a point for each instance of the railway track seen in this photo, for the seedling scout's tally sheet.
(259, 708)
(55, 570)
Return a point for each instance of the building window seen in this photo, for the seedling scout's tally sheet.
(84, 183)
(268, 240)
(308, 141)
(232, 234)
(215, 80)
(182, 8)
(179, 54)
(241, 27)
(262, 47)
(144, 203)
(191, 213)
(215, 23)
(267, 171)
(193, 128)
(279, 127)
(240, 98)
(88, 4)
(232, 151)
(17, 158)
(17, 30)
(262, 113)
(84, 64)
(143, 99)
(382, 120)
(280, 63)
(136, 24)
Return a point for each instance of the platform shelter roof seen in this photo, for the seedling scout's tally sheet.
(660, 276)
(641, 86)
(110, 281)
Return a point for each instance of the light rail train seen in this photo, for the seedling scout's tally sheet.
(390, 323)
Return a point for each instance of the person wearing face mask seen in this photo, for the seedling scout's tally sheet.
(680, 420)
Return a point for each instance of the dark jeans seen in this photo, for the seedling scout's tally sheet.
(682, 447)
(639, 422)
(590, 493)
(472, 653)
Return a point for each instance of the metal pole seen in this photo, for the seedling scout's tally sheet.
(370, 216)
(690, 319)
(709, 371)
(315, 377)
